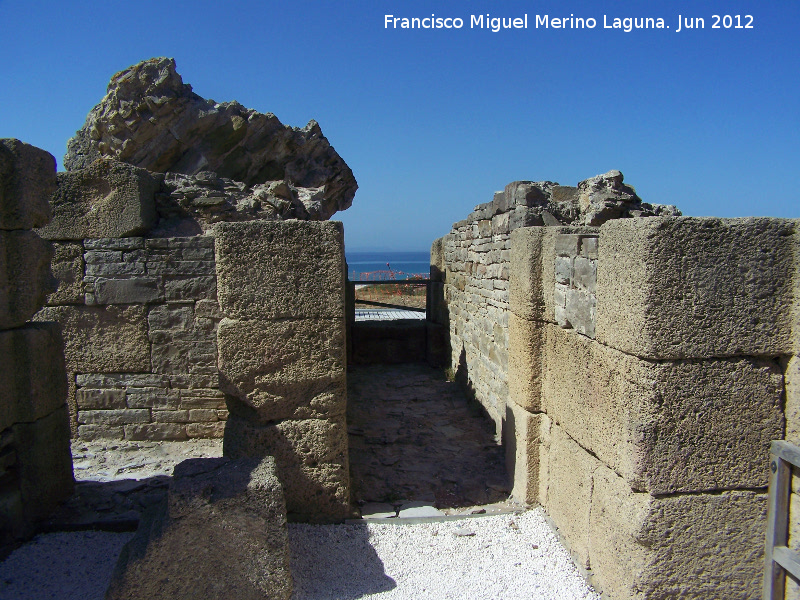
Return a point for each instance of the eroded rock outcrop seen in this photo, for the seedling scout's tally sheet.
(150, 119)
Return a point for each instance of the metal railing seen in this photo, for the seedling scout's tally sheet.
(779, 558)
(391, 282)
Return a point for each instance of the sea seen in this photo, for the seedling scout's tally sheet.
(371, 266)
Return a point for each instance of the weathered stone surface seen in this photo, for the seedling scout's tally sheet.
(221, 534)
(666, 427)
(155, 431)
(792, 407)
(136, 290)
(526, 440)
(605, 197)
(683, 287)
(67, 267)
(525, 355)
(527, 285)
(105, 199)
(25, 277)
(33, 379)
(110, 339)
(568, 499)
(284, 369)
(533, 269)
(45, 462)
(312, 461)
(281, 269)
(191, 204)
(27, 179)
(151, 119)
(699, 546)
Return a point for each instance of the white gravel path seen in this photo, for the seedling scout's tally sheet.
(505, 557)
(508, 557)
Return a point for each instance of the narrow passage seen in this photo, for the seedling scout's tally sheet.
(414, 436)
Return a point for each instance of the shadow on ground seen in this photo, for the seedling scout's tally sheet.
(335, 561)
(415, 436)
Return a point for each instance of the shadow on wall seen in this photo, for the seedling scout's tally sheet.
(326, 564)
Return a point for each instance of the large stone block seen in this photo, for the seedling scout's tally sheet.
(284, 369)
(684, 287)
(527, 443)
(27, 179)
(67, 267)
(665, 426)
(45, 462)
(525, 355)
(568, 497)
(221, 534)
(25, 278)
(693, 546)
(526, 286)
(281, 269)
(107, 199)
(111, 339)
(312, 460)
(33, 379)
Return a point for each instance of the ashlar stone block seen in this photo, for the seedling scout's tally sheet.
(108, 199)
(221, 534)
(312, 460)
(110, 339)
(525, 355)
(33, 378)
(27, 179)
(281, 269)
(666, 427)
(45, 462)
(67, 267)
(25, 277)
(693, 546)
(284, 369)
(686, 287)
(527, 442)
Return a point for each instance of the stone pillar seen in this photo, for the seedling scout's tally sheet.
(35, 459)
(282, 356)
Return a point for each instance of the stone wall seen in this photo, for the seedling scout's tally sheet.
(165, 335)
(283, 356)
(35, 460)
(638, 369)
(644, 388)
(140, 319)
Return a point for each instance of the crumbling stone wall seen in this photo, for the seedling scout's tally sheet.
(35, 460)
(472, 263)
(644, 431)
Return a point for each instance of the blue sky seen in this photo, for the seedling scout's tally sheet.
(432, 122)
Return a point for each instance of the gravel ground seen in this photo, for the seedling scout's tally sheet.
(504, 557)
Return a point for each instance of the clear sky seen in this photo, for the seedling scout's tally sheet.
(433, 121)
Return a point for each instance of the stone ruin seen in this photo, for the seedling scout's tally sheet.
(636, 368)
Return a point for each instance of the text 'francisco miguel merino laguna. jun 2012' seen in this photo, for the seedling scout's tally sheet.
(614, 23)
